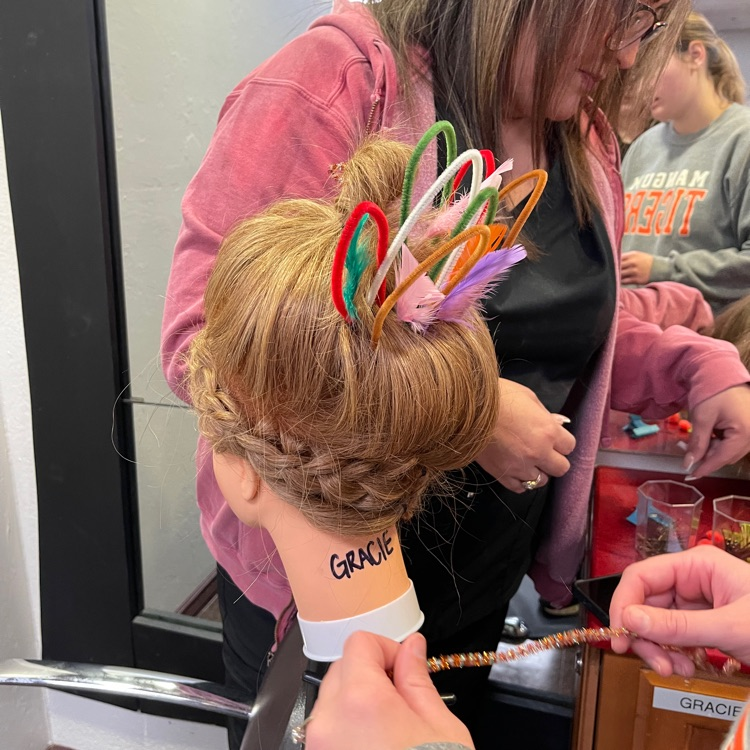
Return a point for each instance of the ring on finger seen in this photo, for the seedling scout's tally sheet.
(298, 733)
(532, 484)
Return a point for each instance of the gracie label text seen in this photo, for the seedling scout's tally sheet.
(373, 553)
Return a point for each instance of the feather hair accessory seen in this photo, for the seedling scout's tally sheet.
(423, 204)
(448, 285)
(420, 271)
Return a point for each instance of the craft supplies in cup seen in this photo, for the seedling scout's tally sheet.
(667, 517)
(732, 525)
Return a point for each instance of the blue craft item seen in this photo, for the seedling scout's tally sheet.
(637, 428)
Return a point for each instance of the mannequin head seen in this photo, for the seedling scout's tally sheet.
(349, 434)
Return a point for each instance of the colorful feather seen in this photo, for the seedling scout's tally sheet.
(446, 220)
(357, 260)
(419, 303)
(479, 282)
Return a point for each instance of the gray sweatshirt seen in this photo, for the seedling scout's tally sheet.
(687, 201)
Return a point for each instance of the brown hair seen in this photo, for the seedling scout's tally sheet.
(350, 434)
(733, 325)
(474, 48)
(722, 65)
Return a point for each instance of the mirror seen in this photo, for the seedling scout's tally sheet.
(171, 66)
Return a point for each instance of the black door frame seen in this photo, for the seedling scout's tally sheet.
(58, 132)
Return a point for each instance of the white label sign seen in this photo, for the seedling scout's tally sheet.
(697, 704)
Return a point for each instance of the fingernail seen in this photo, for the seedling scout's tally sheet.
(418, 646)
(637, 620)
(561, 418)
(690, 478)
(688, 462)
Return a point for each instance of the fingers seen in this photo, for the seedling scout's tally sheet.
(412, 679)
(672, 627)
(373, 653)
(720, 452)
(635, 268)
(664, 662)
(520, 486)
(721, 430)
(554, 464)
(698, 446)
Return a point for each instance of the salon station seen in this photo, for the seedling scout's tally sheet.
(111, 601)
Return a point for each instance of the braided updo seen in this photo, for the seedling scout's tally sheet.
(350, 434)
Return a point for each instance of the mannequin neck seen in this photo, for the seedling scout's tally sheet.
(334, 577)
(339, 583)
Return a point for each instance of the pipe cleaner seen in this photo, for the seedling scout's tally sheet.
(465, 267)
(567, 639)
(489, 168)
(420, 270)
(541, 182)
(424, 203)
(444, 127)
(419, 302)
(497, 233)
(484, 203)
(350, 236)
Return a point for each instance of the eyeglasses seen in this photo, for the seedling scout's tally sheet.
(641, 27)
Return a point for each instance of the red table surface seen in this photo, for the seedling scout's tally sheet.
(612, 545)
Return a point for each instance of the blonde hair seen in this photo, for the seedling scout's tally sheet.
(351, 434)
(474, 49)
(733, 325)
(722, 65)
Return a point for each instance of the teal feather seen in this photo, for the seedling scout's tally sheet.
(358, 258)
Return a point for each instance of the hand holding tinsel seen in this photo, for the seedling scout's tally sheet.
(568, 639)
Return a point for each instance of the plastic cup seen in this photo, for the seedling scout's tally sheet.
(732, 524)
(667, 517)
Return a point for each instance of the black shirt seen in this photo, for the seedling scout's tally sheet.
(468, 552)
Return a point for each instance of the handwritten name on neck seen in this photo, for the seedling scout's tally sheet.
(373, 553)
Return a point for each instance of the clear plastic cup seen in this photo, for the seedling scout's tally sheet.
(732, 524)
(667, 518)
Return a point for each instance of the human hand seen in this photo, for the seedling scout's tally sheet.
(635, 267)
(700, 597)
(359, 705)
(528, 440)
(726, 416)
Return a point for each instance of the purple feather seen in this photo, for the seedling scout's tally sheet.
(490, 270)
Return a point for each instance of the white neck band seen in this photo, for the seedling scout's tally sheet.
(324, 641)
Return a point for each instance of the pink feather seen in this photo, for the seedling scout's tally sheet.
(419, 303)
(479, 282)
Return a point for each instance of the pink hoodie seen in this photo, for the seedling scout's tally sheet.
(278, 132)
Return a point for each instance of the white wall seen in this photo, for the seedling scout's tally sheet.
(732, 20)
(739, 41)
(172, 64)
(22, 710)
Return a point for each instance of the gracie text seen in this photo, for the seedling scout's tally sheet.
(373, 553)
